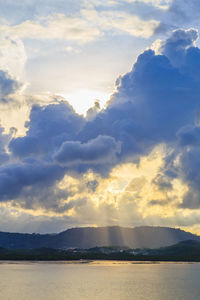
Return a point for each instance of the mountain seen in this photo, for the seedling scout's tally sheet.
(88, 237)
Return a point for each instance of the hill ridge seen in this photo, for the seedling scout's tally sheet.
(88, 237)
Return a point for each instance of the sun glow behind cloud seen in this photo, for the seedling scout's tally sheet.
(84, 99)
(125, 197)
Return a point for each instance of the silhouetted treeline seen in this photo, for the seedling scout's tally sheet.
(183, 251)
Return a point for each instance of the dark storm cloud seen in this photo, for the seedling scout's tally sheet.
(156, 102)
(102, 149)
(48, 128)
(18, 176)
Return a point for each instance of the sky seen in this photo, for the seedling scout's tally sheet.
(99, 114)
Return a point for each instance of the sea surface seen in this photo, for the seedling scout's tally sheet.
(99, 280)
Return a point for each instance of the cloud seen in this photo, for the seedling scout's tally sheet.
(163, 4)
(8, 86)
(163, 15)
(184, 164)
(12, 56)
(93, 111)
(175, 48)
(14, 220)
(86, 21)
(179, 13)
(101, 150)
(48, 128)
(83, 27)
(67, 169)
(184, 11)
(120, 22)
(154, 100)
(17, 12)
(58, 26)
(66, 164)
(189, 136)
(4, 141)
(17, 176)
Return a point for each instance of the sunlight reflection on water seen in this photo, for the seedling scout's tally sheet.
(105, 280)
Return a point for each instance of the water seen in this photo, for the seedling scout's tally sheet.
(99, 280)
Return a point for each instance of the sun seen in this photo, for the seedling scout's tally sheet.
(83, 99)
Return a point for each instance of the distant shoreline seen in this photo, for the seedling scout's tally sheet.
(185, 251)
(96, 262)
(139, 260)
